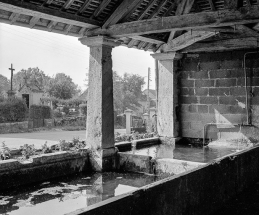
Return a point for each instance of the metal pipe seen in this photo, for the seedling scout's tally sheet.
(248, 117)
(213, 123)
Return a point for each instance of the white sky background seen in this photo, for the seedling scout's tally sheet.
(55, 53)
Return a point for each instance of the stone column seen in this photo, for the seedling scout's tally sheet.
(100, 112)
(128, 113)
(167, 119)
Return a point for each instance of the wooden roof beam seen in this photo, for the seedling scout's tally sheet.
(84, 6)
(212, 6)
(147, 39)
(131, 43)
(141, 16)
(148, 46)
(14, 17)
(186, 39)
(183, 7)
(47, 2)
(101, 8)
(122, 10)
(196, 21)
(223, 45)
(67, 4)
(158, 9)
(246, 31)
(34, 21)
(125, 18)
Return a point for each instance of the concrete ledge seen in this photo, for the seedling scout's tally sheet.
(142, 143)
(42, 167)
(134, 163)
(172, 166)
(123, 146)
(199, 191)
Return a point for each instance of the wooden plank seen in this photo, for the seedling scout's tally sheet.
(186, 39)
(223, 45)
(212, 6)
(184, 22)
(122, 10)
(158, 9)
(67, 29)
(84, 6)
(47, 2)
(246, 31)
(125, 18)
(47, 13)
(131, 43)
(148, 46)
(67, 4)
(183, 7)
(141, 16)
(169, 10)
(51, 25)
(14, 17)
(33, 21)
(100, 8)
(233, 4)
(148, 40)
(256, 27)
(141, 44)
(82, 31)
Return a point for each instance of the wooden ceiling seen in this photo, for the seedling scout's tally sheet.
(154, 25)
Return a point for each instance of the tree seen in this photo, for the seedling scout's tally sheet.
(33, 77)
(4, 85)
(62, 87)
(127, 91)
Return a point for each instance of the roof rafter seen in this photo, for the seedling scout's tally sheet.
(67, 4)
(223, 45)
(187, 39)
(33, 21)
(212, 6)
(158, 9)
(125, 18)
(121, 11)
(183, 22)
(183, 7)
(47, 13)
(84, 6)
(141, 16)
(233, 4)
(101, 8)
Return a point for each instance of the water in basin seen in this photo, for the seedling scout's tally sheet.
(67, 194)
(184, 152)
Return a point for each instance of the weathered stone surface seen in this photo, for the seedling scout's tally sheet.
(42, 167)
(167, 120)
(135, 163)
(100, 116)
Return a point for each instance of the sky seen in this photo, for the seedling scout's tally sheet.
(55, 53)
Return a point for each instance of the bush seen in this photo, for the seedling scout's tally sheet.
(13, 110)
(83, 108)
(66, 110)
(57, 114)
(40, 112)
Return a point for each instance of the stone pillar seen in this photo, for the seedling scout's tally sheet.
(128, 113)
(167, 119)
(100, 112)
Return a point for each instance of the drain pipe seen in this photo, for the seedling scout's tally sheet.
(248, 116)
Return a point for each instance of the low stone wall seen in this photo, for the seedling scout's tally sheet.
(42, 167)
(199, 191)
(13, 127)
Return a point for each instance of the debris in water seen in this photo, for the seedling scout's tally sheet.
(44, 183)
(87, 178)
(119, 178)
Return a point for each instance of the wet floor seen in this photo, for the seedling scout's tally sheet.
(185, 152)
(68, 194)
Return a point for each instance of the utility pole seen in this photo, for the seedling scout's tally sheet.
(12, 69)
(148, 99)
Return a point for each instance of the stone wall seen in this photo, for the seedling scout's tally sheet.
(13, 127)
(41, 167)
(211, 89)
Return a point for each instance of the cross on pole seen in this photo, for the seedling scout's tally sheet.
(12, 69)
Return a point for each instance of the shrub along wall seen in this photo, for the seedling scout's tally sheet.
(12, 110)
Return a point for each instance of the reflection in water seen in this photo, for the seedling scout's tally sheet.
(182, 152)
(71, 193)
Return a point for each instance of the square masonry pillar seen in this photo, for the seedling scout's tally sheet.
(167, 119)
(100, 119)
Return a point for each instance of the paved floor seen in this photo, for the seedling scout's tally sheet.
(39, 138)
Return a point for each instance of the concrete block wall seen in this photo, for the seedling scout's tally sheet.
(211, 89)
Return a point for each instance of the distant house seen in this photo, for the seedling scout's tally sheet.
(31, 93)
